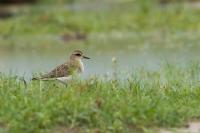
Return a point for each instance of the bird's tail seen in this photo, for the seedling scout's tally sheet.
(39, 78)
(36, 78)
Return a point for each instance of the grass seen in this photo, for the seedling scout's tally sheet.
(125, 16)
(38, 26)
(144, 100)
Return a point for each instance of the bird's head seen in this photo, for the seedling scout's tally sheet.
(77, 54)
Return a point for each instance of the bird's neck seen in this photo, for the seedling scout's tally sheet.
(79, 64)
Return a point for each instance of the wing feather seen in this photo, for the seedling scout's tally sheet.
(59, 71)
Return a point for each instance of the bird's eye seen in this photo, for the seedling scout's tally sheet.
(78, 54)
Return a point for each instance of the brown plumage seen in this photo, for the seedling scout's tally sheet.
(63, 70)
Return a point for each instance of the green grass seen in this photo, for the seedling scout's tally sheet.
(42, 26)
(144, 100)
(126, 16)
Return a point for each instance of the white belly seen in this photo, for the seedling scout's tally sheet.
(64, 79)
(60, 79)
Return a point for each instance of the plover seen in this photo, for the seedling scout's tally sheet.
(65, 71)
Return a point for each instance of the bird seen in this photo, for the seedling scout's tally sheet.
(65, 71)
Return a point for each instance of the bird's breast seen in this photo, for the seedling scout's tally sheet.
(77, 66)
(81, 66)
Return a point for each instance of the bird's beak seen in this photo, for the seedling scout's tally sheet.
(85, 57)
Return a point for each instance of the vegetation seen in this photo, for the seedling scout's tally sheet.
(42, 25)
(144, 100)
(122, 17)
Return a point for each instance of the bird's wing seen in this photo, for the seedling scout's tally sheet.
(60, 71)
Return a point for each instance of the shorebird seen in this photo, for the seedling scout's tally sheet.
(65, 71)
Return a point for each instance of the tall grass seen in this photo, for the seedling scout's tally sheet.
(168, 97)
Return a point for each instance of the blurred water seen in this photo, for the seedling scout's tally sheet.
(25, 62)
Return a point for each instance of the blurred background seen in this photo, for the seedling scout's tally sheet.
(37, 35)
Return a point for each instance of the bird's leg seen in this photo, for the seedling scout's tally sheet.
(63, 82)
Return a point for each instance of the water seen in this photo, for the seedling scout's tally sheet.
(131, 53)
